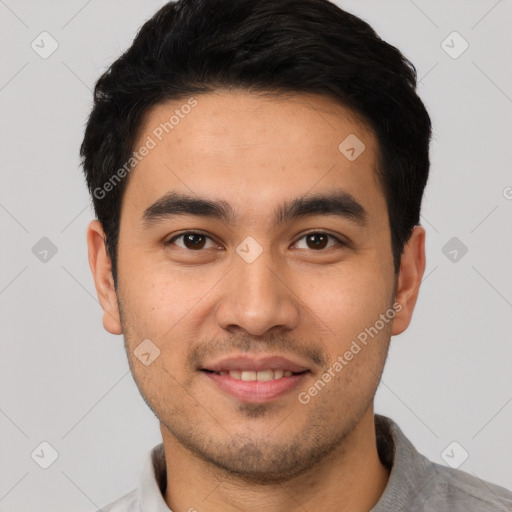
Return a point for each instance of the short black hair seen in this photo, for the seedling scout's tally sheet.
(192, 47)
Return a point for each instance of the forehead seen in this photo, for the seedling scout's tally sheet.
(254, 151)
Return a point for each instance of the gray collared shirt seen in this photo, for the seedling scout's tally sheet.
(415, 483)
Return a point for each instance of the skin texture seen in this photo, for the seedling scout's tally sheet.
(296, 300)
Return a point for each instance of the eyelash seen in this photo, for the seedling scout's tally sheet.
(171, 241)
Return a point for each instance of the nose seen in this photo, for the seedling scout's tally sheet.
(257, 298)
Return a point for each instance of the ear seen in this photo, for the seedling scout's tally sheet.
(101, 269)
(412, 268)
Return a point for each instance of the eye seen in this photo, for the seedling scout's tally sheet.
(192, 241)
(195, 241)
(318, 240)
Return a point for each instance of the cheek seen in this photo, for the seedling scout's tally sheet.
(350, 298)
(163, 306)
(154, 296)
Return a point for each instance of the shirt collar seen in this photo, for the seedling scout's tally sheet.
(153, 482)
(410, 471)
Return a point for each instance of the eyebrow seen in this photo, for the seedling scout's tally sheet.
(339, 203)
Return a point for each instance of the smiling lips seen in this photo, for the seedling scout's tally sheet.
(260, 376)
(255, 380)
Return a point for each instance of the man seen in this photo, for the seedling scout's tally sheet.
(257, 169)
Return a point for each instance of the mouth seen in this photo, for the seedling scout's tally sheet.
(251, 380)
(260, 375)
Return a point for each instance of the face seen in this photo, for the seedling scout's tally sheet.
(255, 261)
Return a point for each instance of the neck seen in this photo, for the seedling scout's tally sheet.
(352, 478)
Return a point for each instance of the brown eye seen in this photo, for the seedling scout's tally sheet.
(191, 241)
(194, 241)
(318, 241)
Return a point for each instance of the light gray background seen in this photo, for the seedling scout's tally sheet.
(65, 380)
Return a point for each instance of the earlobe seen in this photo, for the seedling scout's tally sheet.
(411, 273)
(101, 269)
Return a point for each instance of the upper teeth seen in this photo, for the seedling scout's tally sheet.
(262, 375)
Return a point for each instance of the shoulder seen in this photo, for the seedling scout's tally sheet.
(457, 491)
(148, 496)
(419, 484)
(128, 503)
